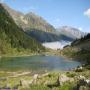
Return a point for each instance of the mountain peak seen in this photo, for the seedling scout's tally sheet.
(71, 31)
(31, 13)
(12, 38)
(29, 21)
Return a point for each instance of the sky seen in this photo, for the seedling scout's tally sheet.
(74, 13)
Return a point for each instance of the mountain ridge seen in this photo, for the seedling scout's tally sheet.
(32, 23)
(30, 19)
(12, 38)
(71, 32)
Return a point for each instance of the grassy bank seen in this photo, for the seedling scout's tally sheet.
(46, 81)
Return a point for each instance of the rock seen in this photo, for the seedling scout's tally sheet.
(81, 77)
(88, 82)
(35, 76)
(63, 78)
(44, 75)
(82, 82)
(26, 83)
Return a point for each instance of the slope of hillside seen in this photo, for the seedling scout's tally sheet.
(38, 22)
(29, 20)
(12, 38)
(42, 36)
(80, 49)
(36, 26)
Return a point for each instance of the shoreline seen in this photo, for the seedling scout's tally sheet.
(24, 55)
(46, 54)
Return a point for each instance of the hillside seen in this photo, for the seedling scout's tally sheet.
(42, 36)
(29, 20)
(12, 38)
(80, 49)
(36, 26)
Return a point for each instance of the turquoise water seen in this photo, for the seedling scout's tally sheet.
(35, 63)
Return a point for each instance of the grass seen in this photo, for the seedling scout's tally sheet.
(71, 74)
(67, 86)
(43, 82)
(37, 87)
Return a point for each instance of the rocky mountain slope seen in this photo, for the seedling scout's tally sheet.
(36, 26)
(71, 32)
(42, 36)
(29, 20)
(12, 38)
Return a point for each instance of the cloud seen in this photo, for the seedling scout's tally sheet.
(80, 28)
(87, 13)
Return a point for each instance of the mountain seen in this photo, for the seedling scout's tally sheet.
(80, 49)
(29, 20)
(38, 28)
(35, 26)
(42, 36)
(83, 43)
(71, 32)
(12, 38)
(38, 22)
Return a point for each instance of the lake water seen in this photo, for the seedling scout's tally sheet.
(37, 63)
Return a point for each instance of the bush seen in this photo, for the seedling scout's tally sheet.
(70, 74)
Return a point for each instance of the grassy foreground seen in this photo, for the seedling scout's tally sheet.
(47, 81)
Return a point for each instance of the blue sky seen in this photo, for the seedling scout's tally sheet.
(75, 13)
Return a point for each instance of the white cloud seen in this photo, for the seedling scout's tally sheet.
(87, 13)
(80, 28)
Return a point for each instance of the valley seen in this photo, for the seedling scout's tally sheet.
(34, 55)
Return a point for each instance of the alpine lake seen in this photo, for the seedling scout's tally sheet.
(37, 63)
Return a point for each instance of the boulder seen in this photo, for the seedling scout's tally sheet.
(63, 78)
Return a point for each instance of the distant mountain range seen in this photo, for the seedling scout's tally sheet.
(37, 28)
(40, 29)
(12, 38)
(71, 32)
(29, 20)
